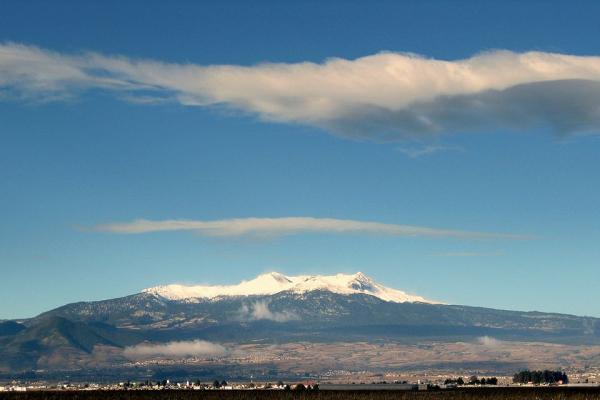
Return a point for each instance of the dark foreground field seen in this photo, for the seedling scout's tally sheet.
(460, 394)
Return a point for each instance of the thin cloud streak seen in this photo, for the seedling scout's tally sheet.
(271, 227)
(381, 97)
(470, 254)
(426, 150)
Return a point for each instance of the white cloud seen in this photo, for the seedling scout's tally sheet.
(259, 310)
(385, 96)
(488, 341)
(199, 348)
(290, 225)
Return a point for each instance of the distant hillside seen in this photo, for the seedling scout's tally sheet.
(58, 342)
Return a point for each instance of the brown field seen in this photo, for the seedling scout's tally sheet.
(430, 361)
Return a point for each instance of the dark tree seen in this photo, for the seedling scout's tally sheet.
(538, 377)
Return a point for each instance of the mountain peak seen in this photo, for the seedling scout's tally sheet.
(276, 276)
(360, 276)
(274, 282)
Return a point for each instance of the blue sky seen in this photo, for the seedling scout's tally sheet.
(86, 155)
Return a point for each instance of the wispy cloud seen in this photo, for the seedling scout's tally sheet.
(259, 310)
(488, 341)
(470, 254)
(291, 225)
(381, 97)
(426, 150)
(175, 349)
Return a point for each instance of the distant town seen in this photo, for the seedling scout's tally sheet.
(525, 378)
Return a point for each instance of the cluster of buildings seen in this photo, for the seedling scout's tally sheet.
(165, 385)
(590, 377)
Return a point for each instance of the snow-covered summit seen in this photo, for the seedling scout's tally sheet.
(274, 282)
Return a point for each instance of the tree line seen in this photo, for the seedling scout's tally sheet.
(474, 380)
(538, 377)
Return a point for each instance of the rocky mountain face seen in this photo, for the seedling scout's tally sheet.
(93, 334)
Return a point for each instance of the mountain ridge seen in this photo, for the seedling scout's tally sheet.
(274, 282)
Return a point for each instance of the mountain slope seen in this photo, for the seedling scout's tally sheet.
(315, 313)
(57, 341)
(10, 328)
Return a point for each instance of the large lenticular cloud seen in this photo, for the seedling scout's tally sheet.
(271, 227)
(386, 96)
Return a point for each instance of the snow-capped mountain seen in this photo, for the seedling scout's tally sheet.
(274, 282)
(271, 308)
